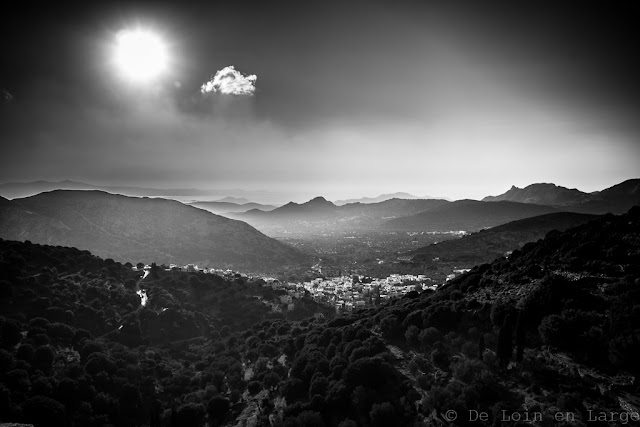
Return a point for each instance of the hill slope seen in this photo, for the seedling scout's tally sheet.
(486, 245)
(127, 228)
(468, 215)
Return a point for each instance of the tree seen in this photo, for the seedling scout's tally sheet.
(7, 361)
(10, 333)
(505, 341)
(43, 411)
(60, 332)
(293, 389)
(44, 357)
(383, 414)
(154, 271)
(191, 414)
(310, 418)
(520, 336)
(411, 335)
(551, 330)
(254, 387)
(26, 352)
(429, 336)
(217, 409)
(270, 380)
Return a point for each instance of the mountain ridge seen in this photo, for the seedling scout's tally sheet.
(616, 199)
(124, 228)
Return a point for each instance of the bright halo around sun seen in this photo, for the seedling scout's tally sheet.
(140, 55)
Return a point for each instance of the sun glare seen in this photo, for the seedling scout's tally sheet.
(140, 55)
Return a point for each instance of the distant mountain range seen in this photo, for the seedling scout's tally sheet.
(385, 197)
(405, 215)
(320, 215)
(487, 245)
(222, 208)
(393, 214)
(617, 199)
(142, 229)
(236, 200)
(14, 190)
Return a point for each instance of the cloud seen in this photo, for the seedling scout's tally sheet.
(230, 81)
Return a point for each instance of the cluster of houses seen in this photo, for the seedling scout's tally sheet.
(343, 293)
(351, 292)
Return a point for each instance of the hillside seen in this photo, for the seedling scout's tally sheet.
(550, 330)
(487, 245)
(128, 228)
(467, 215)
(617, 199)
(77, 347)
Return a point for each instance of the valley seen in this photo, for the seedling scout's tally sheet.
(224, 324)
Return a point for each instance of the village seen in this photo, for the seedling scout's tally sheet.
(344, 293)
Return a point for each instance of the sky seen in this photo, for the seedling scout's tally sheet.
(342, 99)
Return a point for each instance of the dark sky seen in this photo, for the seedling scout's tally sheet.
(352, 98)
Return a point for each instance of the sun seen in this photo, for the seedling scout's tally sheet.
(140, 55)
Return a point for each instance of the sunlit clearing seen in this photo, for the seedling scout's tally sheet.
(140, 55)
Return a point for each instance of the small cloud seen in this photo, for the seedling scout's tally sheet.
(5, 96)
(230, 81)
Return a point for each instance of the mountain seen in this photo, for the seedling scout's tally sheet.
(236, 200)
(385, 197)
(317, 209)
(380, 198)
(467, 215)
(487, 245)
(541, 194)
(14, 190)
(321, 216)
(148, 229)
(221, 208)
(616, 199)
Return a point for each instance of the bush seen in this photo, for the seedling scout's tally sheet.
(551, 330)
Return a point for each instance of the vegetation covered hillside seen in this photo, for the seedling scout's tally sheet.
(489, 244)
(74, 335)
(550, 330)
